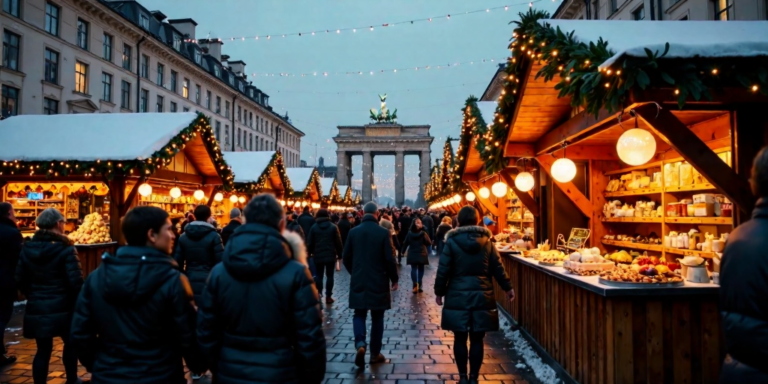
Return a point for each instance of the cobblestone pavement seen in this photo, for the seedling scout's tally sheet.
(417, 350)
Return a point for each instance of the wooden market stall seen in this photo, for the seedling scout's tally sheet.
(308, 180)
(330, 189)
(95, 167)
(255, 172)
(646, 141)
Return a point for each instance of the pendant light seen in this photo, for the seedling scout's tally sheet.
(470, 196)
(199, 195)
(282, 202)
(499, 189)
(241, 199)
(484, 192)
(524, 181)
(636, 146)
(563, 169)
(457, 198)
(233, 199)
(218, 197)
(145, 189)
(175, 192)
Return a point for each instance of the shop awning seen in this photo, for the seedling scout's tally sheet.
(306, 182)
(257, 172)
(330, 188)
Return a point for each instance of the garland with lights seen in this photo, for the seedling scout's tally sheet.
(472, 126)
(109, 169)
(347, 199)
(592, 89)
(333, 194)
(445, 169)
(314, 180)
(253, 188)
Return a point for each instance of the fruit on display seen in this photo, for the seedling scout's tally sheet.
(648, 270)
(551, 257)
(645, 274)
(93, 231)
(620, 257)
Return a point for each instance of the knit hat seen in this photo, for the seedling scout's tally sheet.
(49, 218)
(370, 208)
(234, 213)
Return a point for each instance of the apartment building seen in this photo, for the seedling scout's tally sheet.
(116, 56)
(663, 10)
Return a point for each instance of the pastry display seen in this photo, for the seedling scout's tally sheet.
(554, 257)
(646, 274)
(639, 209)
(93, 231)
(587, 262)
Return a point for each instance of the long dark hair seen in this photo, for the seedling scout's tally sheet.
(468, 216)
(414, 228)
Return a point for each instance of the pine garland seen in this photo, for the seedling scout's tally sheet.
(253, 188)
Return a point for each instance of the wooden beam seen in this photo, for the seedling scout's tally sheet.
(484, 202)
(212, 195)
(570, 190)
(166, 175)
(525, 197)
(576, 129)
(116, 196)
(698, 154)
(732, 96)
(126, 205)
(519, 150)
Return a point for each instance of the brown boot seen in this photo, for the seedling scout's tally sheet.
(378, 359)
(329, 300)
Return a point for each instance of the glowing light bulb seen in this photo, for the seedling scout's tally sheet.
(145, 189)
(241, 199)
(233, 198)
(563, 170)
(457, 198)
(175, 192)
(484, 192)
(499, 189)
(199, 194)
(524, 181)
(636, 146)
(470, 196)
(218, 197)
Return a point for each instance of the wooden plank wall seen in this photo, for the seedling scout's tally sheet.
(667, 339)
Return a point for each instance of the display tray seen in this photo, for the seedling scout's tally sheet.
(550, 264)
(640, 285)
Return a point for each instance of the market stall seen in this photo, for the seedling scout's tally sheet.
(310, 189)
(330, 189)
(345, 196)
(255, 172)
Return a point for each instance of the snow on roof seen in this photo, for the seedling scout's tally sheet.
(342, 189)
(89, 136)
(326, 183)
(689, 39)
(299, 177)
(248, 166)
(487, 109)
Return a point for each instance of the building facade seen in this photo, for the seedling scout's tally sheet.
(102, 56)
(663, 10)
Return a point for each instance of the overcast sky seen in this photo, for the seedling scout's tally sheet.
(317, 104)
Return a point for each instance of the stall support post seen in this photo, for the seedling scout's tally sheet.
(749, 134)
(502, 203)
(525, 197)
(211, 191)
(117, 200)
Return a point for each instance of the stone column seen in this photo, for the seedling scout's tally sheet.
(423, 176)
(342, 165)
(367, 173)
(399, 178)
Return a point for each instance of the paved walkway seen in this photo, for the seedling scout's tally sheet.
(417, 350)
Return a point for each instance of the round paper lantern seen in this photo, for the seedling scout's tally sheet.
(233, 198)
(457, 198)
(218, 197)
(484, 192)
(145, 189)
(636, 146)
(499, 189)
(241, 199)
(524, 181)
(470, 196)
(199, 194)
(175, 192)
(282, 202)
(563, 170)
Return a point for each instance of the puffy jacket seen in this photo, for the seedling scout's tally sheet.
(229, 230)
(294, 227)
(468, 263)
(260, 318)
(50, 276)
(306, 221)
(344, 227)
(198, 249)
(415, 247)
(442, 230)
(368, 257)
(10, 248)
(135, 320)
(324, 242)
(429, 225)
(743, 292)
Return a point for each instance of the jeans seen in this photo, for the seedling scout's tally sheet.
(43, 356)
(312, 269)
(417, 272)
(7, 296)
(475, 352)
(377, 329)
(328, 269)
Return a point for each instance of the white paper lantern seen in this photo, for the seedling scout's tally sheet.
(145, 189)
(457, 198)
(524, 181)
(499, 189)
(241, 199)
(484, 192)
(218, 197)
(282, 202)
(199, 194)
(563, 170)
(175, 192)
(470, 196)
(233, 198)
(636, 146)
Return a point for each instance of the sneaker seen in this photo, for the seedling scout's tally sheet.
(378, 359)
(6, 360)
(360, 357)
(415, 288)
(329, 300)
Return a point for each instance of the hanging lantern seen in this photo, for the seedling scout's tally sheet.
(145, 189)
(218, 197)
(484, 192)
(282, 202)
(175, 192)
(233, 198)
(563, 170)
(199, 194)
(296, 203)
(524, 181)
(457, 198)
(304, 203)
(241, 199)
(636, 146)
(499, 189)
(470, 196)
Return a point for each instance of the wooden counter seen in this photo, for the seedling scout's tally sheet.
(90, 255)
(602, 334)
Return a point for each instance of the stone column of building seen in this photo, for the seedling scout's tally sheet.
(399, 178)
(342, 166)
(367, 174)
(423, 176)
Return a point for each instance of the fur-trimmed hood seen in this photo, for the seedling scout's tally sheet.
(297, 245)
(471, 238)
(255, 251)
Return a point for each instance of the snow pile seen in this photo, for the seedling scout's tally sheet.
(248, 166)
(543, 372)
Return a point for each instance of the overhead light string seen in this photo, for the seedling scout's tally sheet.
(379, 71)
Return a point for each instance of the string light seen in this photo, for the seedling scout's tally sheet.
(367, 72)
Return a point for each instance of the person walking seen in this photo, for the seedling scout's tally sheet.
(442, 230)
(293, 224)
(306, 221)
(10, 247)
(368, 258)
(135, 317)
(198, 250)
(50, 276)
(235, 221)
(404, 222)
(385, 223)
(260, 318)
(344, 226)
(415, 247)
(467, 264)
(743, 289)
(429, 226)
(325, 247)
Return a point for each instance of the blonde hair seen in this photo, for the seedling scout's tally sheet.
(447, 220)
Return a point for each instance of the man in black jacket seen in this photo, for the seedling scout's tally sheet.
(260, 318)
(198, 249)
(10, 247)
(325, 247)
(135, 320)
(368, 258)
(235, 221)
(293, 224)
(404, 222)
(306, 221)
(344, 226)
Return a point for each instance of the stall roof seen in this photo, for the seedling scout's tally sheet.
(299, 176)
(487, 109)
(327, 184)
(248, 166)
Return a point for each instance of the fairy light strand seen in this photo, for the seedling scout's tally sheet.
(368, 72)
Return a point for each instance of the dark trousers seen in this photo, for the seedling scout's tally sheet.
(312, 268)
(328, 270)
(43, 356)
(377, 329)
(417, 273)
(7, 296)
(475, 353)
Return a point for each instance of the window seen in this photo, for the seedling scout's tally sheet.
(217, 132)
(127, 57)
(241, 87)
(177, 42)
(81, 77)
(226, 109)
(239, 113)
(185, 88)
(596, 10)
(186, 109)
(638, 14)
(82, 34)
(106, 50)
(10, 102)
(160, 74)
(144, 67)
(50, 106)
(239, 133)
(231, 79)
(208, 100)
(52, 18)
(174, 108)
(174, 75)
(125, 95)
(144, 22)
(198, 56)
(218, 105)
(261, 146)
(250, 119)
(11, 50)
(106, 86)
(217, 70)
(197, 94)
(143, 100)
(723, 10)
(12, 7)
(226, 136)
(160, 103)
(614, 6)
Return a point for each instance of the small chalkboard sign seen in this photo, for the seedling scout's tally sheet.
(577, 239)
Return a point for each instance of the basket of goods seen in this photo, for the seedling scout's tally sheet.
(551, 258)
(93, 231)
(587, 262)
(641, 276)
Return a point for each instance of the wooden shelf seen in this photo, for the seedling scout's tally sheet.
(688, 252)
(700, 220)
(629, 244)
(635, 192)
(691, 188)
(632, 220)
(656, 164)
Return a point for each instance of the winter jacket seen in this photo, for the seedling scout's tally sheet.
(10, 248)
(442, 230)
(306, 221)
(344, 227)
(324, 242)
(135, 320)
(294, 227)
(386, 224)
(50, 276)
(414, 247)
(405, 226)
(468, 263)
(429, 226)
(229, 230)
(368, 258)
(743, 292)
(198, 249)
(260, 318)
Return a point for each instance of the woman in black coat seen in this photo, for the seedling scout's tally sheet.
(415, 247)
(198, 250)
(468, 262)
(324, 246)
(50, 276)
(442, 230)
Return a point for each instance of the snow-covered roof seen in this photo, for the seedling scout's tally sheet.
(299, 177)
(487, 109)
(89, 136)
(248, 166)
(326, 183)
(343, 189)
(686, 39)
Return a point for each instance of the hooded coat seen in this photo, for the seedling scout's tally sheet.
(49, 274)
(260, 318)
(10, 248)
(743, 289)
(415, 247)
(294, 227)
(229, 230)
(468, 264)
(135, 320)
(368, 257)
(344, 227)
(324, 242)
(442, 230)
(198, 249)
(306, 221)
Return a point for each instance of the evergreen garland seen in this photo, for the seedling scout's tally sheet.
(253, 188)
